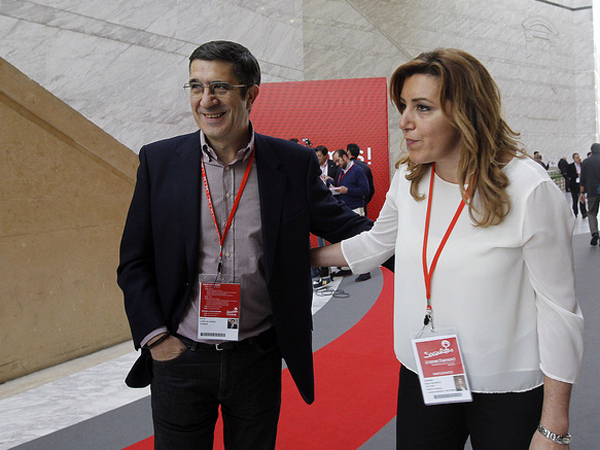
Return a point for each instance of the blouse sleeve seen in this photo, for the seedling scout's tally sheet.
(370, 249)
(548, 253)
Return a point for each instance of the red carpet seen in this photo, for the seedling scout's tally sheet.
(356, 380)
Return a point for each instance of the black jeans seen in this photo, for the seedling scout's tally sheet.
(188, 390)
(494, 421)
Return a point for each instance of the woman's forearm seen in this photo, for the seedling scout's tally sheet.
(327, 256)
(555, 412)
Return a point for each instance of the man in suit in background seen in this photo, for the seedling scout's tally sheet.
(563, 166)
(354, 152)
(574, 174)
(590, 187)
(328, 167)
(218, 228)
(353, 187)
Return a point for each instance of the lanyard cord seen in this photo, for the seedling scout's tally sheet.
(342, 174)
(233, 209)
(428, 273)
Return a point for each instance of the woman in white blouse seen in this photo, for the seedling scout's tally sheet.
(500, 278)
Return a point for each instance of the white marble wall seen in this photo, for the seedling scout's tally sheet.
(585, 90)
(596, 21)
(122, 63)
(539, 54)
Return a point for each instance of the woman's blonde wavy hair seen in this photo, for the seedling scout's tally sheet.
(487, 142)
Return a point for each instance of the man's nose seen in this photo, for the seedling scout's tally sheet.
(207, 100)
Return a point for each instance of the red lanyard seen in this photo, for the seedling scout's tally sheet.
(343, 174)
(233, 209)
(428, 273)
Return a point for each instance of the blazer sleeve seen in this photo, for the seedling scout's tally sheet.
(136, 274)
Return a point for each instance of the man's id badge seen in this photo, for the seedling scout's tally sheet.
(219, 315)
(441, 370)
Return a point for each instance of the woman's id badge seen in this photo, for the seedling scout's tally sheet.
(441, 370)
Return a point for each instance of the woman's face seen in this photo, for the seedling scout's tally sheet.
(429, 135)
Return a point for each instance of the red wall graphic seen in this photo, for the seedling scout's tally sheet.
(332, 113)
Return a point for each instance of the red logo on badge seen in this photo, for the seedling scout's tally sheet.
(439, 357)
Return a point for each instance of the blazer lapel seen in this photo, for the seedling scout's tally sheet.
(187, 170)
(271, 190)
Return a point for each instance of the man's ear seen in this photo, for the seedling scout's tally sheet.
(251, 95)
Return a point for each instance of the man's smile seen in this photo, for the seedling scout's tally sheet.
(213, 116)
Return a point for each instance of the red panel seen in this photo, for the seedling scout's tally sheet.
(332, 113)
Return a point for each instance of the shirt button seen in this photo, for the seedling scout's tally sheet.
(227, 169)
(227, 195)
(227, 254)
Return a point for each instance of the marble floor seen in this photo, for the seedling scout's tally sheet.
(66, 395)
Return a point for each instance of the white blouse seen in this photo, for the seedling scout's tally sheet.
(508, 290)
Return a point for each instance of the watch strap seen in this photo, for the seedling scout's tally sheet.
(559, 439)
(158, 341)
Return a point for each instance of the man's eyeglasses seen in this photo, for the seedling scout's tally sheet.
(216, 88)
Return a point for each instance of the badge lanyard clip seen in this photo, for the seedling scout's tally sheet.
(219, 264)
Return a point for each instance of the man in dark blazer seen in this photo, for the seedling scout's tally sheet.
(328, 167)
(563, 166)
(354, 152)
(184, 228)
(574, 175)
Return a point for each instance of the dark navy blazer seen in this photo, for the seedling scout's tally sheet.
(159, 248)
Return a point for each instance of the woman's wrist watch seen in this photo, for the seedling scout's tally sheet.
(562, 440)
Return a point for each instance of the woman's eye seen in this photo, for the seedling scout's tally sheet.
(421, 107)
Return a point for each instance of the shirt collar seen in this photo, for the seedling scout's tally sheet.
(242, 155)
(349, 166)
